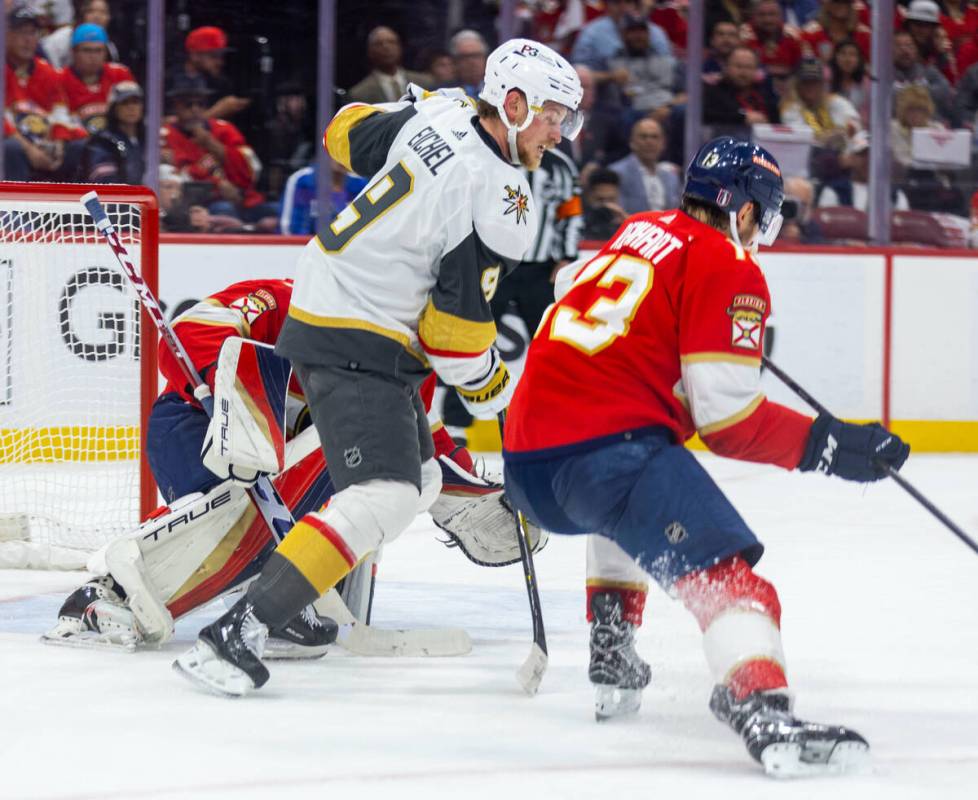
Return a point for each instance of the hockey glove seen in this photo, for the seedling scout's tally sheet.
(854, 452)
(220, 466)
(491, 394)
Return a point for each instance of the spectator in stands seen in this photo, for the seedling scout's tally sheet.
(913, 108)
(35, 122)
(646, 182)
(837, 21)
(671, 16)
(388, 79)
(735, 11)
(601, 40)
(738, 101)
(923, 22)
(469, 51)
(850, 78)
(966, 99)
(652, 86)
(602, 139)
(908, 70)
(603, 214)
(441, 68)
(832, 118)
(799, 13)
(853, 189)
(205, 49)
(799, 227)
(86, 84)
(299, 214)
(290, 145)
(212, 151)
(960, 22)
(115, 153)
(56, 46)
(724, 37)
(775, 45)
(174, 214)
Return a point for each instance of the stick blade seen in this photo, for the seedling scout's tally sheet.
(366, 640)
(531, 673)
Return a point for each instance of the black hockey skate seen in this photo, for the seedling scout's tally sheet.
(306, 635)
(785, 745)
(227, 656)
(617, 672)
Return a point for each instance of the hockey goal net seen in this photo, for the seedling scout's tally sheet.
(77, 372)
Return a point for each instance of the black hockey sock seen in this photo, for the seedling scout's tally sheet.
(280, 592)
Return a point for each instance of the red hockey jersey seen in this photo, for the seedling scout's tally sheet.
(88, 104)
(35, 103)
(241, 166)
(664, 327)
(250, 309)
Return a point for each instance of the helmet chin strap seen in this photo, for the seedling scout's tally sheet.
(512, 130)
(735, 236)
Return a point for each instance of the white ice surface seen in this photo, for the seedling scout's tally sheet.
(880, 627)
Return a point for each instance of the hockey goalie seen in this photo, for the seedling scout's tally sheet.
(209, 540)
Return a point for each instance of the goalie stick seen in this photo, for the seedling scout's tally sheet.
(263, 494)
(901, 481)
(531, 673)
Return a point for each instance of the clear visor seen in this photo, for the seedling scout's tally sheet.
(557, 115)
(769, 227)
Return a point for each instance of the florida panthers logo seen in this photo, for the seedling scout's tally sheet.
(251, 307)
(517, 203)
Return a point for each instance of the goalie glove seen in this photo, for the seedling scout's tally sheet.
(487, 396)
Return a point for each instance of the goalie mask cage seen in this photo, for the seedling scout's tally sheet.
(77, 372)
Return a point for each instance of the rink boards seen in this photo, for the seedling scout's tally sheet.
(872, 333)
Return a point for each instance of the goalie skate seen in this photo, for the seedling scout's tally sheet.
(226, 659)
(95, 616)
(786, 746)
(618, 673)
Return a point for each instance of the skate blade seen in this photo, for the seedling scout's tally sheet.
(89, 640)
(283, 651)
(789, 760)
(611, 702)
(203, 667)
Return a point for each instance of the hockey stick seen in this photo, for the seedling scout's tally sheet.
(263, 494)
(892, 473)
(531, 673)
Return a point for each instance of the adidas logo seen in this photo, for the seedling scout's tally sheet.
(460, 134)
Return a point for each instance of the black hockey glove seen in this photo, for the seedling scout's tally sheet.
(854, 452)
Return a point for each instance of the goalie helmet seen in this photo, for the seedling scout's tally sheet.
(728, 172)
(542, 75)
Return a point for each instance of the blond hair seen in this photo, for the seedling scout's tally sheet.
(910, 96)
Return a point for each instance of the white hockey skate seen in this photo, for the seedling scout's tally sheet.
(95, 616)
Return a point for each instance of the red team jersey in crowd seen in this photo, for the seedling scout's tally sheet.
(250, 309)
(663, 327)
(785, 50)
(240, 166)
(35, 103)
(88, 104)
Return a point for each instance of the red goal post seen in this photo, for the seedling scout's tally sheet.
(78, 372)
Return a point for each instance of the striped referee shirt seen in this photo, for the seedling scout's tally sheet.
(557, 193)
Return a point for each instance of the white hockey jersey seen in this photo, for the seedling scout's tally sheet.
(415, 258)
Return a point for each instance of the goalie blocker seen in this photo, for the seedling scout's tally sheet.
(211, 541)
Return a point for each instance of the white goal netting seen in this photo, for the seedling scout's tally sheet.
(69, 383)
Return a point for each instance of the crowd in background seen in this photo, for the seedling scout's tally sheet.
(795, 74)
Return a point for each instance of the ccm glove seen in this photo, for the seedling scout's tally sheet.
(854, 452)
(487, 396)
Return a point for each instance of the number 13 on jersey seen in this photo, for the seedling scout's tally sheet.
(609, 316)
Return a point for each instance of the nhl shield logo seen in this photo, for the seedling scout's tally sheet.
(352, 457)
(675, 532)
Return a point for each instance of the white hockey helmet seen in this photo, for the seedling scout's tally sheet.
(542, 75)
